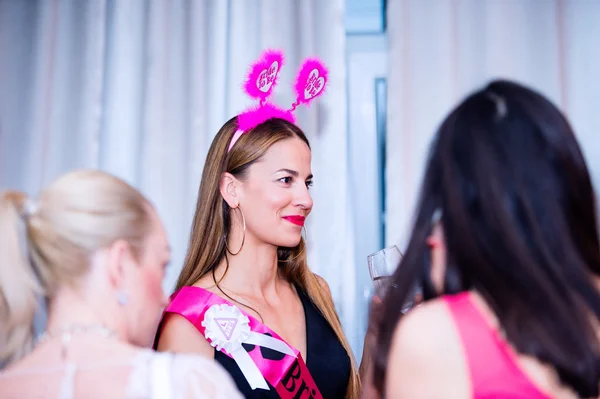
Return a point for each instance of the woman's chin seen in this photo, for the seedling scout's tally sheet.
(292, 242)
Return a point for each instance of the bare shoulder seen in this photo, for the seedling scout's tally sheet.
(429, 322)
(207, 282)
(179, 335)
(426, 358)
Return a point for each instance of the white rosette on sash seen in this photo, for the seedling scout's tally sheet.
(227, 328)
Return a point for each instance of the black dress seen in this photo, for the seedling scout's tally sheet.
(327, 360)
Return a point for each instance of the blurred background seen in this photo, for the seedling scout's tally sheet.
(140, 87)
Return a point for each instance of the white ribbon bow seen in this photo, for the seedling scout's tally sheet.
(226, 327)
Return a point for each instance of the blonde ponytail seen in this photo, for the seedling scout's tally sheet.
(20, 286)
(44, 249)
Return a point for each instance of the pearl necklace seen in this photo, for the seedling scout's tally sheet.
(66, 333)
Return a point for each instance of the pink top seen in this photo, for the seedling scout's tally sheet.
(492, 364)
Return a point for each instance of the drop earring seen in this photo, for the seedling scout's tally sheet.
(122, 298)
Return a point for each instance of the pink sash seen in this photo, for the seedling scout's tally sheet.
(226, 328)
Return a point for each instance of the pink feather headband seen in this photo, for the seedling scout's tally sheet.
(310, 83)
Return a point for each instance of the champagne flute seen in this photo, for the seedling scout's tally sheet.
(382, 265)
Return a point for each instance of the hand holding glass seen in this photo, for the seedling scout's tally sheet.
(382, 265)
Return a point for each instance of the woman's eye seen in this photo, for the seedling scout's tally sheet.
(286, 180)
(309, 184)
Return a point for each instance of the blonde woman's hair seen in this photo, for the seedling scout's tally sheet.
(47, 243)
(212, 222)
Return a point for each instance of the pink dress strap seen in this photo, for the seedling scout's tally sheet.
(492, 364)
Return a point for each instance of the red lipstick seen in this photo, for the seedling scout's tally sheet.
(296, 219)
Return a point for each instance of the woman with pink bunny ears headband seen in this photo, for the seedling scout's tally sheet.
(245, 295)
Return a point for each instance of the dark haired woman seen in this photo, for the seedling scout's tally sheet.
(506, 246)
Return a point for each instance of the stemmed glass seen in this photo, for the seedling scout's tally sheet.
(382, 265)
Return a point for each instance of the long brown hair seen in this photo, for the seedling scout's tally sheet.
(212, 221)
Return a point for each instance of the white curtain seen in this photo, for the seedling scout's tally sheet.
(440, 50)
(139, 89)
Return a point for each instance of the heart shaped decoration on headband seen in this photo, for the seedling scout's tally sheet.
(267, 77)
(314, 84)
(262, 77)
(310, 82)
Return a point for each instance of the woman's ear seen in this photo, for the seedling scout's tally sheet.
(119, 260)
(229, 188)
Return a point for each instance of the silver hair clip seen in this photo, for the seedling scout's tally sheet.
(29, 208)
(501, 107)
